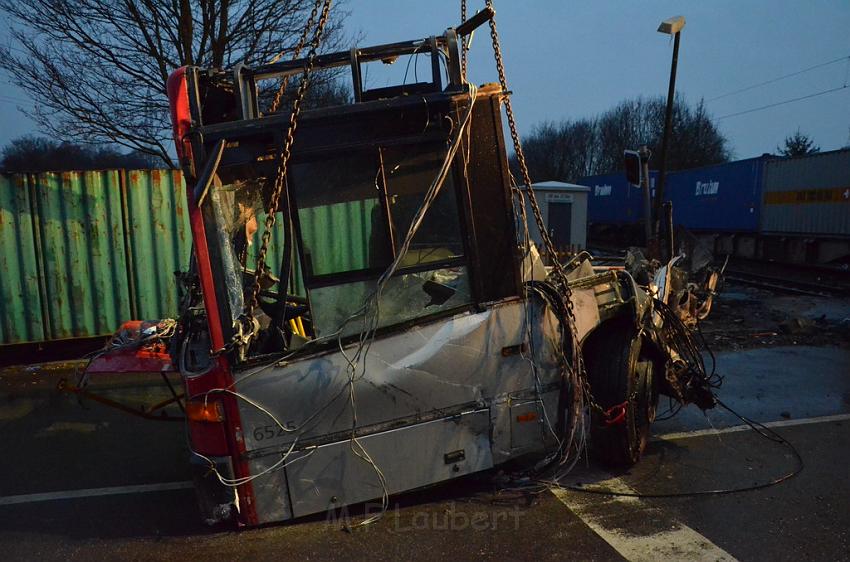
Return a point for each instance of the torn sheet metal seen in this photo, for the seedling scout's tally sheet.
(422, 378)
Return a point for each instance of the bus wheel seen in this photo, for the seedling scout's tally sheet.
(622, 384)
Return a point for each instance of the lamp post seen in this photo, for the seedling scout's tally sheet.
(672, 26)
(644, 154)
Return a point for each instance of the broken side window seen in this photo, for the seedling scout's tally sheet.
(354, 212)
(405, 297)
(339, 212)
(409, 173)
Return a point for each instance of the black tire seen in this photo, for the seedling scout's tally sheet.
(616, 373)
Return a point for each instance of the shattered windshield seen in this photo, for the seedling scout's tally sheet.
(235, 207)
(240, 206)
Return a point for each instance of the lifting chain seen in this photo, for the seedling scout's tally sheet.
(246, 320)
(463, 43)
(301, 41)
(549, 246)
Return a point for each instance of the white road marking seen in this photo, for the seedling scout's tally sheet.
(637, 531)
(641, 532)
(736, 428)
(94, 492)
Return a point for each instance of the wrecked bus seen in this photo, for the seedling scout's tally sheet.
(364, 312)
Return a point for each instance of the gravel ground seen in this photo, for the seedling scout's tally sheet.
(744, 317)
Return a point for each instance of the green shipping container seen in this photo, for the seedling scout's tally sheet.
(82, 252)
(159, 240)
(21, 314)
(80, 227)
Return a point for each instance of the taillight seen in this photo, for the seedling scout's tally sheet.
(207, 432)
(203, 411)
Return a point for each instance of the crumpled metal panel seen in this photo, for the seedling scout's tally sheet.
(437, 365)
(82, 249)
(21, 318)
(431, 371)
(271, 495)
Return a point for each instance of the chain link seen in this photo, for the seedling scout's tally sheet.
(285, 80)
(280, 179)
(549, 247)
(463, 41)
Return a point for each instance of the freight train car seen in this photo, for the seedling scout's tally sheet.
(806, 208)
(720, 198)
(614, 207)
(720, 204)
(794, 210)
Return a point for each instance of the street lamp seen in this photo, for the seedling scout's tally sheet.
(672, 26)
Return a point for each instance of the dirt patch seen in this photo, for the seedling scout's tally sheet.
(746, 317)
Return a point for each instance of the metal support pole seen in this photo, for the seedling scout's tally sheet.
(668, 226)
(668, 126)
(645, 153)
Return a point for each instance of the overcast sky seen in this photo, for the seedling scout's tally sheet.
(568, 59)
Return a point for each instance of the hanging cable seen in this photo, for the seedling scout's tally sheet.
(783, 77)
(758, 427)
(768, 106)
(690, 349)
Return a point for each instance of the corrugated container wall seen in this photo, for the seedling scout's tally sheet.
(79, 228)
(612, 200)
(84, 251)
(808, 195)
(158, 240)
(725, 197)
(21, 315)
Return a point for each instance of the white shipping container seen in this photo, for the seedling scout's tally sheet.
(808, 195)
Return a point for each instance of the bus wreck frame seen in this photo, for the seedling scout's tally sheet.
(353, 386)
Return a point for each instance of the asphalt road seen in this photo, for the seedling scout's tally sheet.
(53, 445)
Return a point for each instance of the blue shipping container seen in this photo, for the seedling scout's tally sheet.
(612, 200)
(720, 198)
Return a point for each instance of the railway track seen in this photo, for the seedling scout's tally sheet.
(786, 285)
(799, 279)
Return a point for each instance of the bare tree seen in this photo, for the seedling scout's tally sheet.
(572, 149)
(558, 151)
(695, 139)
(97, 69)
(627, 126)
